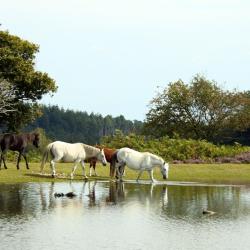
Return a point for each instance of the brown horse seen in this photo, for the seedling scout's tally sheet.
(108, 154)
(18, 143)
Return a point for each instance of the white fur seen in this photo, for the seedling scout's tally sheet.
(140, 161)
(71, 152)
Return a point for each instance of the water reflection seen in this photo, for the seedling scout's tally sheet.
(169, 201)
(123, 216)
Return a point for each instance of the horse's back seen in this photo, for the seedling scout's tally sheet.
(67, 151)
(11, 141)
(131, 157)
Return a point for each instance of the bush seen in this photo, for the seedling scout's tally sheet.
(175, 149)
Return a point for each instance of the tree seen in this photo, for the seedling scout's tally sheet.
(199, 110)
(7, 96)
(17, 66)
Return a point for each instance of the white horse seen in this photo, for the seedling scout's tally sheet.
(71, 152)
(141, 162)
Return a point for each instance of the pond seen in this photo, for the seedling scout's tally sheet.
(110, 215)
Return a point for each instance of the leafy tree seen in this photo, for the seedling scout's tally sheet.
(199, 110)
(6, 98)
(17, 66)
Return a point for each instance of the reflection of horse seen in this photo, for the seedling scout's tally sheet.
(116, 192)
(140, 162)
(18, 143)
(71, 152)
(108, 154)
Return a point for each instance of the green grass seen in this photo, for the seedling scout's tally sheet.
(209, 173)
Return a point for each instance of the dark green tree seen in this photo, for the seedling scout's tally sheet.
(17, 66)
(75, 126)
(199, 110)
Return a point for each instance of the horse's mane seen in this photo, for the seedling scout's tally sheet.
(90, 150)
(155, 156)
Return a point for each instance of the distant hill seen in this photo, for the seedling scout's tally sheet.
(76, 126)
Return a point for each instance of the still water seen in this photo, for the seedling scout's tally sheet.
(109, 215)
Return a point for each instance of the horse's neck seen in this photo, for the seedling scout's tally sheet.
(90, 151)
(156, 160)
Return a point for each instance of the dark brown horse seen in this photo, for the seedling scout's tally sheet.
(18, 143)
(108, 154)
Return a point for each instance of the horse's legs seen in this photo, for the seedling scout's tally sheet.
(25, 158)
(4, 163)
(18, 160)
(74, 169)
(120, 170)
(52, 166)
(3, 159)
(150, 172)
(83, 170)
(94, 166)
(112, 168)
(22, 153)
(90, 168)
(139, 175)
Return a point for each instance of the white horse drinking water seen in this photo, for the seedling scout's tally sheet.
(141, 162)
(71, 152)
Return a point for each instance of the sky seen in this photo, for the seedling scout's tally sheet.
(112, 56)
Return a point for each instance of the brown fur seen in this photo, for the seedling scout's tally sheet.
(18, 143)
(108, 154)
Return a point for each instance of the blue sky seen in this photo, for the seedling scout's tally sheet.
(109, 56)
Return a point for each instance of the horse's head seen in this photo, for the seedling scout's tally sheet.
(36, 140)
(101, 157)
(164, 170)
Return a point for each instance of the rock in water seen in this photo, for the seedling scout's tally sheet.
(208, 212)
(70, 195)
(58, 194)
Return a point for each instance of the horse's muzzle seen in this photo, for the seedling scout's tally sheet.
(164, 177)
(104, 164)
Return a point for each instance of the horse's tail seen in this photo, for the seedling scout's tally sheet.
(45, 156)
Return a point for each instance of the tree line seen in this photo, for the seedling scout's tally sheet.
(79, 126)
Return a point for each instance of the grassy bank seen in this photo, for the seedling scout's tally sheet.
(210, 173)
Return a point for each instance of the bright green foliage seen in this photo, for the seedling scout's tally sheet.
(199, 110)
(17, 66)
(173, 149)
